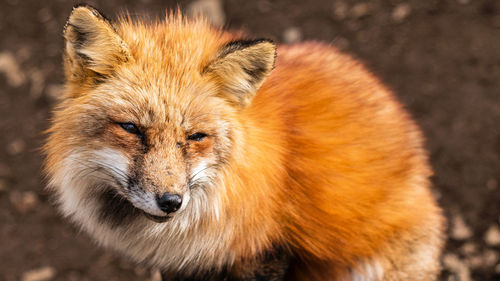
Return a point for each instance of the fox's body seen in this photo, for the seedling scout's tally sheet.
(313, 173)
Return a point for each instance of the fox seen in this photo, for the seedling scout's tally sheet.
(212, 155)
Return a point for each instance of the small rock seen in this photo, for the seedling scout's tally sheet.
(492, 236)
(11, 69)
(211, 9)
(44, 15)
(39, 274)
(401, 12)
(155, 276)
(37, 83)
(340, 11)
(487, 259)
(455, 265)
(492, 184)
(469, 249)
(460, 230)
(264, 6)
(55, 91)
(490, 258)
(292, 35)
(24, 53)
(360, 10)
(16, 146)
(23, 201)
(474, 261)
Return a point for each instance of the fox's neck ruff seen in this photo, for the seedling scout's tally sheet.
(193, 239)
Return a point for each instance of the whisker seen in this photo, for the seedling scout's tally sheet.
(103, 169)
(192, 177)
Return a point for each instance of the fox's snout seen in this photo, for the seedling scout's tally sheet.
(169, 202)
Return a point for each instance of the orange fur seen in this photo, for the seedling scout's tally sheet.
(318, 158)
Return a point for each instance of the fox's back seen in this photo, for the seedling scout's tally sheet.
(354, 159)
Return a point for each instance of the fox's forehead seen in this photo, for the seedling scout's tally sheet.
(172, 47)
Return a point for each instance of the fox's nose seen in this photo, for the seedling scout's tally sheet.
(169, 202)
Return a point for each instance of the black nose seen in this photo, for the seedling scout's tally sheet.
(169, 202)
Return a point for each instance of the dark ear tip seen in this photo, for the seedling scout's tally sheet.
(237, 45)
(266, 40)
(85, 6)
(241, 44)
(82, 8)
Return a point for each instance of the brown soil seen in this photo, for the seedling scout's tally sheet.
(441, 58)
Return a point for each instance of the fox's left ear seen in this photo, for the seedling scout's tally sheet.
(93, 48)
(241, 67)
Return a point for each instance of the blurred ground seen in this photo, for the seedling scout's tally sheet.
(441, 57)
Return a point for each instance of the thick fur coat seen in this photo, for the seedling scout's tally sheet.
(292, 162)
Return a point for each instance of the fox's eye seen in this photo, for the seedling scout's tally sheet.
(197, 136)
(131, 128)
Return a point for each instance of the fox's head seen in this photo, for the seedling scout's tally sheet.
(150, 114)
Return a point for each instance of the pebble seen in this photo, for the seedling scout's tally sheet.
(211, 9)
(492, 236)
(360, 10)
(11, 69)
(490, 258)
(39, 274)
(292, 35)
(54, 91)
(455, 265)
(401, 12)
(460, 230)
(340, 11)
(155, 276)
(264, 6)
(37, 83)
(468, 249)
(16, 146)
(24, 53)
(44, 15)
(23, 201)
(474, 261)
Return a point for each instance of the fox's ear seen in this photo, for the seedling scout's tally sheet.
(241, 67)
(93, 49)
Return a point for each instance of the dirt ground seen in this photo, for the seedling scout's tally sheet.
(441, 57)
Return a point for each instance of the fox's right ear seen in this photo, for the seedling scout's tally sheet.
(93, 48)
